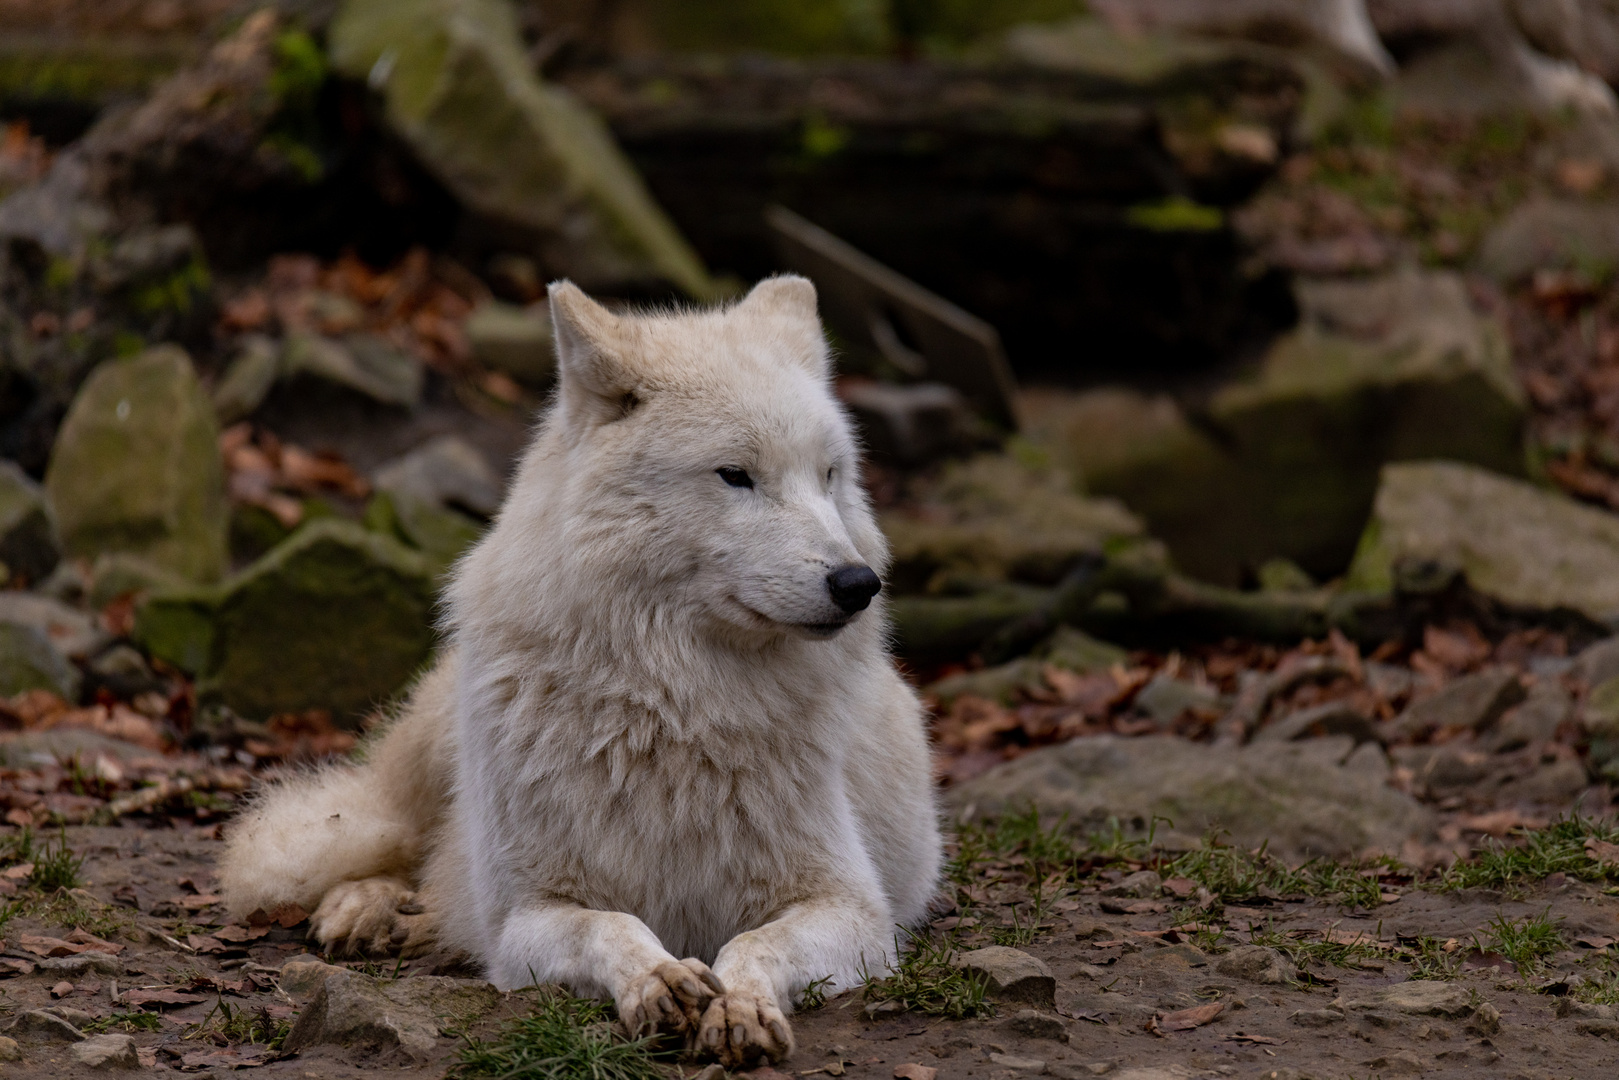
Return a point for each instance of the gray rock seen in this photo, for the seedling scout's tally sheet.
(28, 661)
(1536, 719)
(1554, 234)
(1165, 698)
(1523, 546)
(1038, 1025)
(362, 1013)
(1599, 662)
(911, 425)
(1013, 975)
(1315, 1018)
(76, 967)
(511, 148)
(118, 573)
(28, 544)
(1076, 650)
(248, 378)
(446, 471)
(335, 617)
(301, 979)
(1328, 718)
(995, 517)
(514, 340)
(124, 671)
(37, 1026)
(73, 632)
(1018, 1064)
(1142, 883)
(1551, 784)
(1306, 799)
(1471, 703)
(363, 363)
(1257, 964)
(1418, 997)
(106, 1052)
(34, 749)
(136, 467)
(1398, 1063)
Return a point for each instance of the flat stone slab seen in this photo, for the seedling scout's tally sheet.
(1318, 797)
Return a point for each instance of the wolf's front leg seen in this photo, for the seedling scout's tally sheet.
(605, 952)
(762, 969)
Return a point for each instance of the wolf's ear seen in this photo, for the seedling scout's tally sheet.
(788, 301)
(596, 385)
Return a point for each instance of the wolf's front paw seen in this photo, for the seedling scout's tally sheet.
(361, 916)
(670, 998)
(743, 1030)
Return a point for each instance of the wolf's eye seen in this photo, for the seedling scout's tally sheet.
(829, 473)
(735, 477)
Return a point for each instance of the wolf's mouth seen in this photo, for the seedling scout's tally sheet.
(822, 630)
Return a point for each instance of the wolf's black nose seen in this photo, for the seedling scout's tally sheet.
(853, 587)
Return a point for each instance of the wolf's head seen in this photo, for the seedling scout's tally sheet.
(695, 465)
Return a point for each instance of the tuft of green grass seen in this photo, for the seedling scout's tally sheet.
(1429, 960)
(1559, 848)
(56, 867)
(1302, 953)
(924, 981)
(129, 1022)
(1234, 875)
(1527, 941)
(241, 1024)
(813, 996)
(564, 1039)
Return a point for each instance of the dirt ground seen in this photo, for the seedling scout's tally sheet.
(1121, 980)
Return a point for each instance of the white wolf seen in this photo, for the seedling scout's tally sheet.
(665, 726)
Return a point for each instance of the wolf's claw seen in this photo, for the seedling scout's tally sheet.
(742, 1031)
(670, 998)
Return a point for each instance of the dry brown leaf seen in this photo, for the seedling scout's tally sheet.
(913, 1071)
(1602, 852)
(1195, 1017)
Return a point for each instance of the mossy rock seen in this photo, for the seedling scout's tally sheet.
(1285, 463)
(458, 87)
(1523, 546)
(1000, 518)
(28, 661)
(336, 617)
(136, 467)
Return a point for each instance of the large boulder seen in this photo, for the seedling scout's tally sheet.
(136, 467)
(1285, 463)
(998, 518)
(459, 88)
(385, 1018)
(1521, 545)
(28, 661)
(335, 617)
(1306, 799)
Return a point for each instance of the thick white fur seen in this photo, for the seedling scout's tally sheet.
(654, 735)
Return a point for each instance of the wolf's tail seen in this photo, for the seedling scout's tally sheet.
(348, 822)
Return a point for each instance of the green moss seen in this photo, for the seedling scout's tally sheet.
(822, 139)
(1175, 214)
(93, 70)
(177, 627)
(178, 292)
(336, 617)
(300, 70)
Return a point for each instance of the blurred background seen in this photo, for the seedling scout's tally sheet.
(1227, 366)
